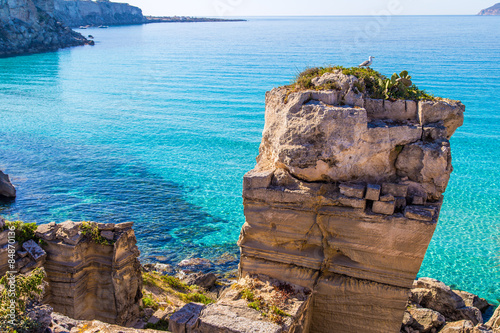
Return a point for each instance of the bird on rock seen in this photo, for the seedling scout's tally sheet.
(367, 63)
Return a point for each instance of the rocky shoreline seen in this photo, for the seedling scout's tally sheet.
(188, 297)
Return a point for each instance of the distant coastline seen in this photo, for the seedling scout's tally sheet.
(493, 10)
(185, 19)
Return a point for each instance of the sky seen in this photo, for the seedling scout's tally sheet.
(308, 7)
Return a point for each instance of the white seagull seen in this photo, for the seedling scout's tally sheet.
(367, 63)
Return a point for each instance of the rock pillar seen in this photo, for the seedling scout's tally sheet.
(345, 198)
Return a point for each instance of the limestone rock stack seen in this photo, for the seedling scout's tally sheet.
(89, 280)
(345, 198)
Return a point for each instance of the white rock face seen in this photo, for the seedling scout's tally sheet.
(315, 141)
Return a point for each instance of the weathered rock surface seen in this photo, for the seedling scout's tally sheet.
(7, 190)
(493, 10)
(252, 305)
(89, 280)
(76, 13)
(494, 321)
(345, 198)
(63, 324)
(28, 26)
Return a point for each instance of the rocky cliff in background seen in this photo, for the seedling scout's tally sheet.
(493, 10)
(345, 198)
(28, 26)
(76, 13)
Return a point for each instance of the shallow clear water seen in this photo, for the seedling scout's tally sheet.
(158, 123)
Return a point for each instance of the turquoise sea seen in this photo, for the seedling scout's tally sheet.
(158, 123)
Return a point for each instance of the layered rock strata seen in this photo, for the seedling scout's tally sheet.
(76, 13)
(345, 198)
(28, 26)
(90, 280)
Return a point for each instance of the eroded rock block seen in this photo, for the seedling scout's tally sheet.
(397, 190)
(352, 202)
(418, 213)
(352, 190)
(451, 113)
(386, 208)
(34, 250)
(183, 320)
(372, 192)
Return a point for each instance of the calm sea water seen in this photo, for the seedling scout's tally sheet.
(158, 123)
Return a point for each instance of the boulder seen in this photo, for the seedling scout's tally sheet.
(423, 320)
(195, 264)
(433, 294)
(46, 231)
(7, 190)
(473, 300)
(462, 326)
(206, 281)
(494, 321)
(92, 281)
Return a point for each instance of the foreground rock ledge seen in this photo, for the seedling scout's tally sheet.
(345, 198)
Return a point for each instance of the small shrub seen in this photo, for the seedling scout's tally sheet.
(256, 305)
(176, 283)
(28, 289)
(196, 297)
(90, 230)
(161, 325)
(278, 311)
(149, 302)
(371, 82)
(247, 294)
(24, 231)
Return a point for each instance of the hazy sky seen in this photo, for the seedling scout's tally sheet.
(307, 7)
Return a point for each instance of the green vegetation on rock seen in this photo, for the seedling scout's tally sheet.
(16, 293)
(270, 309)
(372, 83)
(24, 231)
(171, 286)
(90, 230)
(161, 325)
